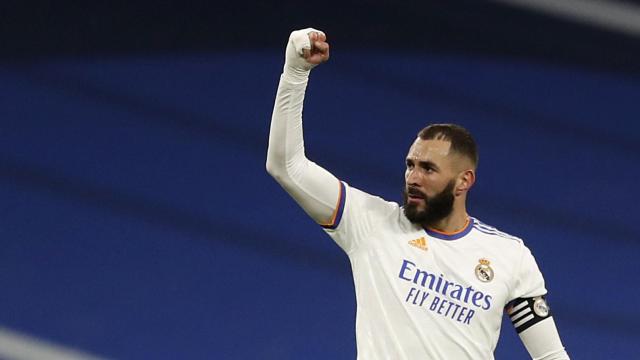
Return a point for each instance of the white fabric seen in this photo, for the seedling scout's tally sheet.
(296, 68)
(314, 188)
(399, 317)
(543, 342)
(401, 313)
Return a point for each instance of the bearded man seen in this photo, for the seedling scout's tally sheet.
(431, 281)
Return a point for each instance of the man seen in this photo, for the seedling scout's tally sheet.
(431, 282)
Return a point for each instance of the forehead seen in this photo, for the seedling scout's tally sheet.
(432, 150)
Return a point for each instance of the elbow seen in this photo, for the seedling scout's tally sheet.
(278, 172)
(270, 164)
(276, 164)
(273, 169)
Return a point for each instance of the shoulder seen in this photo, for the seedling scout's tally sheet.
(493, 231)
(511, 252)
(493, 234)
(364, 201)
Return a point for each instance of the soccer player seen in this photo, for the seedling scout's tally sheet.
(431, 281)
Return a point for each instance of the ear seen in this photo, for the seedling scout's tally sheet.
(465, 181)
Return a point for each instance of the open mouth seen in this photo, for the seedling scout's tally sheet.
(415, 196)
(415, 199)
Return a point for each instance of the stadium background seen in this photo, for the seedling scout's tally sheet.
(138, 222)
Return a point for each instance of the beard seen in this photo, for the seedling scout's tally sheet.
(436, 208)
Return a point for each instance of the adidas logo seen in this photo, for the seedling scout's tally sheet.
(420, 243)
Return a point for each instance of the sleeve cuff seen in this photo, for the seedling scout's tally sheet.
(337, 213)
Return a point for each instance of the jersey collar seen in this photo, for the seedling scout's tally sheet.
(451, 235)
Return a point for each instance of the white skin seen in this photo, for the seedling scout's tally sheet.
(431, 165)
(319, 51)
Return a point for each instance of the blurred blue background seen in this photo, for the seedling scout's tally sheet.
(138, 221)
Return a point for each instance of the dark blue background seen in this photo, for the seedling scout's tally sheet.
(138, 220)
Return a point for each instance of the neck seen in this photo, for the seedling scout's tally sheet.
(454, 222)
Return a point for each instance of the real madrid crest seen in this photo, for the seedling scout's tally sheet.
(540, 306)
(484, 272)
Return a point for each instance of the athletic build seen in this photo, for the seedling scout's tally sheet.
(431, 281)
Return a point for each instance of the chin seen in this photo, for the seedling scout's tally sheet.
(414, 214)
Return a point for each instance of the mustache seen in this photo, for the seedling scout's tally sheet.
(413, 191)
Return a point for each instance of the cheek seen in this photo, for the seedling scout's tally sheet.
(434, 184)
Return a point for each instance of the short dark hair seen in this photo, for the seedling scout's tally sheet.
(461, 140)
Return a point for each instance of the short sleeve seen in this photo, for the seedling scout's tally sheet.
(357, 212)
(528, 281)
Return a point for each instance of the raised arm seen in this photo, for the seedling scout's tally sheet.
(316, 190)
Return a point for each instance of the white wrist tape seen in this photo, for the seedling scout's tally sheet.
(296, 67)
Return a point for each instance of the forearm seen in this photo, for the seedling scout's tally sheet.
(534, 323)
(543, 341)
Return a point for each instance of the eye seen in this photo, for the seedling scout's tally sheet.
(409, 164)
(427, 168)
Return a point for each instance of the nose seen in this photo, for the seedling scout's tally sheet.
(412, 177)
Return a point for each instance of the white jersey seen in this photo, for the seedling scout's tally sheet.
(425, 294)
(420, 294)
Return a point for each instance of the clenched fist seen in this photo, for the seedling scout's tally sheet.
(306, 49)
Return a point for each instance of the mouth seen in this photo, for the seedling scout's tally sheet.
(415, 196)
